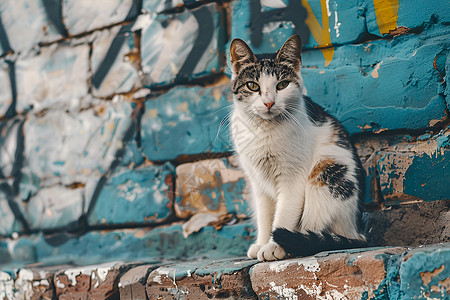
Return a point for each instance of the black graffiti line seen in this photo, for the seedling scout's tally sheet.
(11, 112)
(205, 33)
(294, 12)
(4, 41)
(113, 51)
(54, 11)
(12, 192)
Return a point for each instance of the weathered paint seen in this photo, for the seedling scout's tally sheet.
(202, 279)
(384, 16)
(132, 283)
(415, 171)
(341, 275)
(6, 99)
(186, 121)
(45, 210)
(54, 78)
(163, 242)
(182, 46)
(266, 25)
(142, 196)
(210, 186)
(414, 97)
(122, 74)
(63, 147)
(26, 24)
(81, 16)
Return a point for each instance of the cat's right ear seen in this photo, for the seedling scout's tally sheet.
(240, 54)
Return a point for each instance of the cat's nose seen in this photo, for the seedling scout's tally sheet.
(269, 105)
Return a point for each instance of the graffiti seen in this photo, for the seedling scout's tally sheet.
(108, 61)
(293, 12)
(204, 36)
(320, 31)
(53, 10)
(12, 131)
(387, 14)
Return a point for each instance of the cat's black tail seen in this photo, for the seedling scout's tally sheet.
(299, 244)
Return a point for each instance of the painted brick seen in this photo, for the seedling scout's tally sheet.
(81, 16)
(6, 286)
(90, 282)
(343, 275)
(186, 120)
(132, 283)
(152, 6)
(213, 186)
(25, 24)
(362, 85)
(179, 47)
(33, 284)
(385, 16)
(6, 98)
(121, 75)
(265, 25)
(202, 280)
(163, 242)
(8, 222)
(143, 196)
(55, 78)
(11, 138)
(421, 273)
(415, 171)
(54, 207)
(64, 147)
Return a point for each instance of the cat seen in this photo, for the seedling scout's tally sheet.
(305, 176)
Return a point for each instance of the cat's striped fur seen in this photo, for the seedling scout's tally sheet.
(305, 176)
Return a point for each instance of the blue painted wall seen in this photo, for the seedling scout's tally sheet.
(115, 116)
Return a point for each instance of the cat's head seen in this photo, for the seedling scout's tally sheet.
(266, 85)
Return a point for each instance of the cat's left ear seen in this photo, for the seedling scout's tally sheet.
(291, 52)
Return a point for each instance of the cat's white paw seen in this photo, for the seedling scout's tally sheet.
(271, 251)
(253, 250)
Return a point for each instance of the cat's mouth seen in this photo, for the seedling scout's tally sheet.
(269, 114)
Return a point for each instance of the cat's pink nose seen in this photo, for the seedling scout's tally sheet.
(269, 105)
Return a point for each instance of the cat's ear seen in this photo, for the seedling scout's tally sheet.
(291, 52)
(240, 54)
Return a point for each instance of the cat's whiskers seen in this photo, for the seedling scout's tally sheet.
(225, 122)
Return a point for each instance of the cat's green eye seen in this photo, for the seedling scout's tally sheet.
(252, 86)
(282, 85)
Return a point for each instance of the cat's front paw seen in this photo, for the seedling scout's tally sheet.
(271, 251)
(253, 250)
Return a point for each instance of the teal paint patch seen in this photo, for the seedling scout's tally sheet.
(427, 177)
(426, 274)
(362, 85)
(214, 267)
(165, 242)
(424, 137)
(142, 196)
(186, 121)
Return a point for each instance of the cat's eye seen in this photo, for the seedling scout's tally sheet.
(252, 86)
(282, 85)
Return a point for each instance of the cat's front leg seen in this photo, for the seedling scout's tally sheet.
(288, 211)
(264, 208)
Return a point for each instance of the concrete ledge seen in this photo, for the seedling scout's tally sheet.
(372, 273)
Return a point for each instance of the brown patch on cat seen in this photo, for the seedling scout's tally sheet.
(318, 169)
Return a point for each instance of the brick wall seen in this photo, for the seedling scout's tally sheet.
(113, 136)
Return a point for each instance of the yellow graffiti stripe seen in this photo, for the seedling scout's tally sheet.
(387, 14)
(320, 32)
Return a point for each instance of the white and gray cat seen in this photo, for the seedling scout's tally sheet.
(305, 176)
